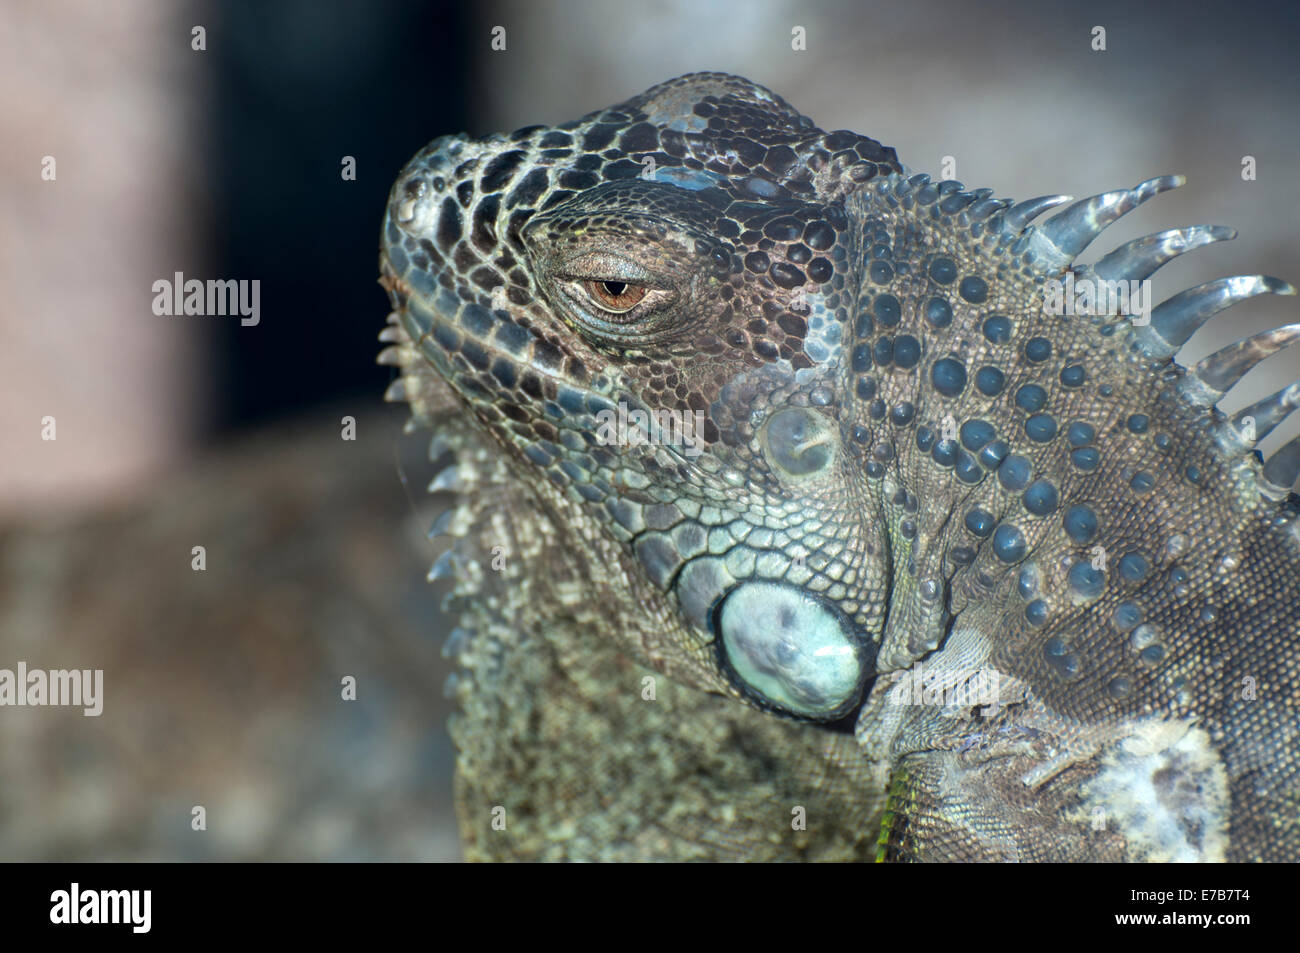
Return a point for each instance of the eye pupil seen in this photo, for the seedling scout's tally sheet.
(613, 296)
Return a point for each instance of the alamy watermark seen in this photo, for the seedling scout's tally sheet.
(78, 905)
(212, 297)
(943, 689)
(633, 427)
(57, 688)
(1098, 296)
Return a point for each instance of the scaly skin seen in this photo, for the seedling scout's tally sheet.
(908, 473)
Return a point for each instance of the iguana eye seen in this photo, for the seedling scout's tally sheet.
(613, 296)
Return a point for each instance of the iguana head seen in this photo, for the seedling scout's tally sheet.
(802, 393)
(647, 306)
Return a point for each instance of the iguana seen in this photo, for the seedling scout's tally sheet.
(811, 510)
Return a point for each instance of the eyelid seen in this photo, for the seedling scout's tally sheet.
(602, 266)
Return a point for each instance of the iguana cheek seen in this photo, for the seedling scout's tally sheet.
(791, 650)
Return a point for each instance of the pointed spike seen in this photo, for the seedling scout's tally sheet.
(1138, 260)
(1225, 367)
(1022, 213)
(448, 479)
(1268, 413)
(391, 356)
(443, 566)
(442, 523)
(955, 202)
(1283, 467)
(393, 334)
(456, 642)
(396, 392)
(984, 207)
(1161, 183)
(438, 446)
(1075, 229)
(1176, 320)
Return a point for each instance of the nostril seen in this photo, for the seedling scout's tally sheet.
(411, 192)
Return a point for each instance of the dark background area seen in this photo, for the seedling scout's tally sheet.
(372, 80)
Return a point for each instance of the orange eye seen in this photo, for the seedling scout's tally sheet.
(616, 297)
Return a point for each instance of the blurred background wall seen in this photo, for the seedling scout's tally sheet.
(223, 686)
